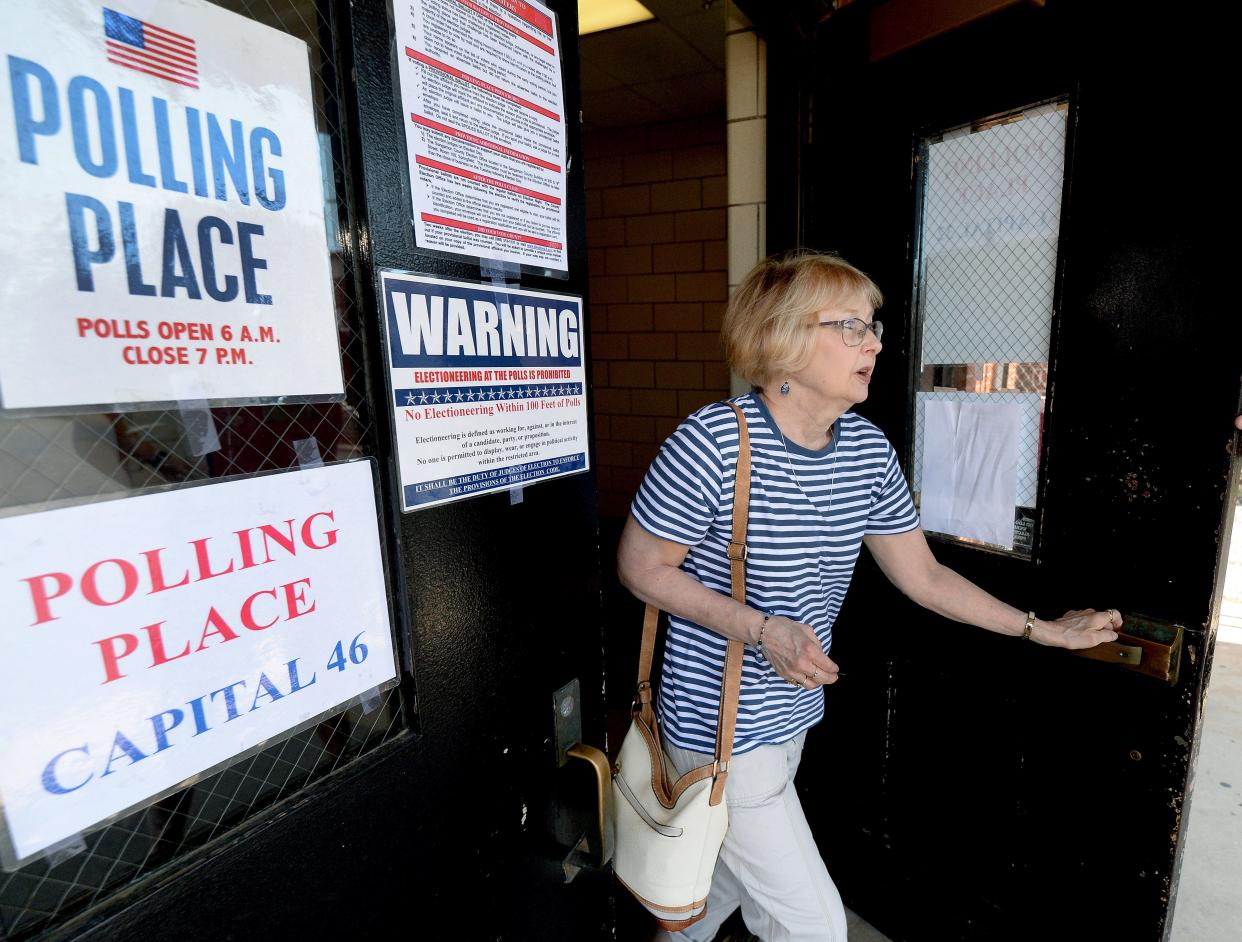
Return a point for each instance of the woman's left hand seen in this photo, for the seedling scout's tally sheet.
(1080, 628)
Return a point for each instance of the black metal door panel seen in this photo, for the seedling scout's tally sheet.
(456, 829)
(966, 785)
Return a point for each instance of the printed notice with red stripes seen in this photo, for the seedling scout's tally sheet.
(485, 128)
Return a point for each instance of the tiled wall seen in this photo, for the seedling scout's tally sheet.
(658, 254)
(746, 84)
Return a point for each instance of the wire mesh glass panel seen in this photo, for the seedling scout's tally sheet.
(46, 460)
(990, 223)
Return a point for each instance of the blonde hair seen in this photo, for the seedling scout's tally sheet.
(764, 330)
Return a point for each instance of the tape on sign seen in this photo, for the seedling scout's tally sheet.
(61, 851)
(306, 450)
(200, 426)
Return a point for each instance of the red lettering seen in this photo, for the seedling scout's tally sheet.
(281, 539)
(155, 356)
(204, 560)
(156, 636)
(42, 598)
(329, 535)
(243, 543)
(90, 583)
(112, 657)
(155, 568)
(295, 598)
(247, 617)
(215, 625)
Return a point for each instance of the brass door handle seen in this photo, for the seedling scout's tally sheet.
(603, 782)
(1115, 651)
(1146, 645)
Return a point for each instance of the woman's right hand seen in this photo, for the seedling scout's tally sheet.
(794, 652)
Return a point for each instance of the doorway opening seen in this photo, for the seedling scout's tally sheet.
(1207, 905)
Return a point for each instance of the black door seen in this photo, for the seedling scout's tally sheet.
(503, 600)
(459, 824)
(967, 785)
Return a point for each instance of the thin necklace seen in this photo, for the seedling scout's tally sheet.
(798, 482)
(789, 461)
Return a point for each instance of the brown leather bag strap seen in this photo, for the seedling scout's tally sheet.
(732, 677)
(642, 699)
(732, 681)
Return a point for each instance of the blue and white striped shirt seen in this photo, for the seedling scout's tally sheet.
(809, 511)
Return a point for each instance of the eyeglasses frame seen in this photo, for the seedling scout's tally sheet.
(875, 326)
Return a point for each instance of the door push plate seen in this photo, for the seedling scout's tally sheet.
(567, 719)
(1146, 645)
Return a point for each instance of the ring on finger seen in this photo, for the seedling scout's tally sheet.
(814, 673)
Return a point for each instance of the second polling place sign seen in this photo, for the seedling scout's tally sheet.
(162, 223)
(488, 387)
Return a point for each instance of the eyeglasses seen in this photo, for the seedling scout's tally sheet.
(854, 330)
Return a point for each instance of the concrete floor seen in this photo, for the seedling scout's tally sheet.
(1208, 906)
(862, 931)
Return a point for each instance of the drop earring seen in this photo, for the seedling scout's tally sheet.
(785, 388)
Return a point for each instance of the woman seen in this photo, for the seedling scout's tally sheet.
(824, 481)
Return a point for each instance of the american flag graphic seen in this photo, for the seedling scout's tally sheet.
(143, 47)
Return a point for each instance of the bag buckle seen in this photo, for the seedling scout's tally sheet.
(737, 551)
(644, 687)
(718, 767)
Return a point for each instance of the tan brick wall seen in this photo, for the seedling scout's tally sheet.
(656, 239)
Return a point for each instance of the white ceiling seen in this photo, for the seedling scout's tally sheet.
(666, 68)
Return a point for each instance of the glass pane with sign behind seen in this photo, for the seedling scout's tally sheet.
(50, 460)
(988, 242)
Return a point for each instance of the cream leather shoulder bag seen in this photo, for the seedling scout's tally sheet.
(668, 834)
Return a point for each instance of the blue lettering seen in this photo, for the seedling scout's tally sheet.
(277, 199)
(197, 165)
(208, 257)
(52, 784)
(129, 243)
(127, 748)
(200, 718)
(230, 699)
(295, 683)
(20, 70)
(162, 728)
(268, 689)
(133, 150)
(222, 158)
(84, 256)
(245, 230)
(177, 254)
(163, 140)
(79, 85)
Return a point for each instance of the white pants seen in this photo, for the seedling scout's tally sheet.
(769, 864)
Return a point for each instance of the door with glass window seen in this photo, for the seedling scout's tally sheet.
(435, 782)
(1032, 192)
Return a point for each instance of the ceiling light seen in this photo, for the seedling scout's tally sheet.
(597, 15)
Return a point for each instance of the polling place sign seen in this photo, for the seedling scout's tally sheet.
(150, 638)
(488, 386)
(163, 227)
